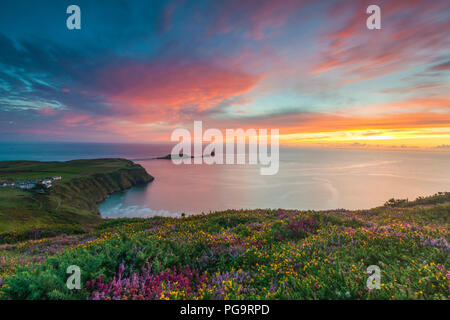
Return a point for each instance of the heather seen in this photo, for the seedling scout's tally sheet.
(242, 254)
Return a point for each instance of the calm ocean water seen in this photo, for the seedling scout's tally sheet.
(307, 178)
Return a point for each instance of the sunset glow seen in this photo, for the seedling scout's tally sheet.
(312, 70)
(419, 137)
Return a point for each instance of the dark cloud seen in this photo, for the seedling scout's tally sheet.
(440, 67)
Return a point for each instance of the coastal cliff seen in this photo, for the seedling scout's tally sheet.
(86, 192)
(70, 203)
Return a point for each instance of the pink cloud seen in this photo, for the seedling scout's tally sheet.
(170, 91)
(256, 16)
(49, 111)
(411, 32)
(72, 119)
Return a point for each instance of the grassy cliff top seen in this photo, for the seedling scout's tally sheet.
(17, 170)
(70, 205)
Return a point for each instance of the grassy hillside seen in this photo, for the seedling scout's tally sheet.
(70, 205)
(243, 254)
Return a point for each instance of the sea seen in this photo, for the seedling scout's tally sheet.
(308, 178)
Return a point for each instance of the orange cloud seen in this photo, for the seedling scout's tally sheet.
(145, 94)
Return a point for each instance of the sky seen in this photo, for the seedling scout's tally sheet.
(137, 70)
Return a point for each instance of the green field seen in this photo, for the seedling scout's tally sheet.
(17, 170)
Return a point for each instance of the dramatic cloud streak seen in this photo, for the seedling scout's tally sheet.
(170, 91)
